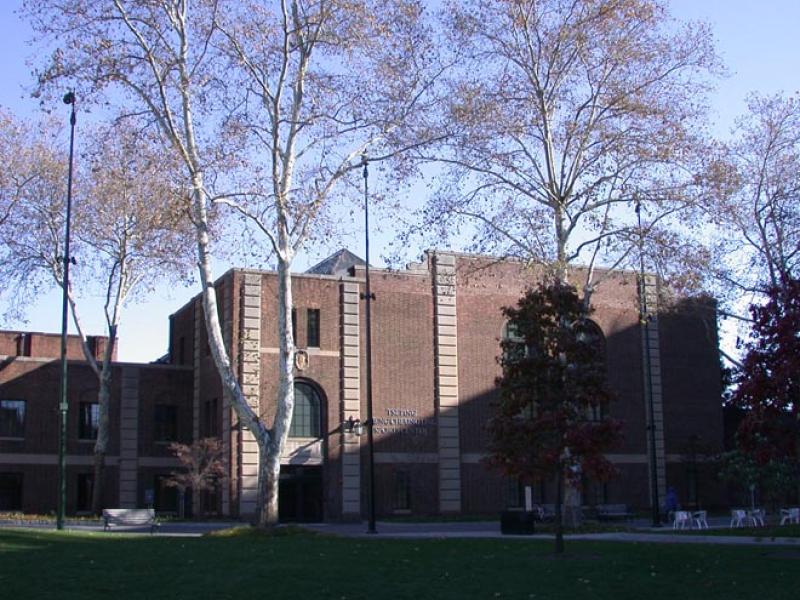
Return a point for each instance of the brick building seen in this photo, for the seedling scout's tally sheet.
(436, 330)
(149, 409)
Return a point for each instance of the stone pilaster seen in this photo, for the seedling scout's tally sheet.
(250, 378)
(197, 355)
(199, 329)
(446, 381)
(227, 338)
(129, 438)
(652, 360)
(351, 399)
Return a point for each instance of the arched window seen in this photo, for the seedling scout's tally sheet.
(589, 333)
(307, 410)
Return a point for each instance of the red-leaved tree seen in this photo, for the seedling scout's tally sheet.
(202, 468)
(551, 423)
(769, 380)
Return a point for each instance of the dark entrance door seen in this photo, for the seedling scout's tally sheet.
(300, 494)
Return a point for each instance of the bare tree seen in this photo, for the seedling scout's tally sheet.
(565, 115)
(130, 227)
(32, 194)
(757, 206)
(309, 84)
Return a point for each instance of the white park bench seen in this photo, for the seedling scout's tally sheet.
(130, 517)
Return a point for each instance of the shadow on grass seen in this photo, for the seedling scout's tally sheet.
(247, 563)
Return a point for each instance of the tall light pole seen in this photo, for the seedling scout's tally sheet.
(644, 320)
(368, 297)
(69, 98)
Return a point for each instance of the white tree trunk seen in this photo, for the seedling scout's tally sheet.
(270, 460)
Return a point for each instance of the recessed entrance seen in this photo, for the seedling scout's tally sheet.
(300, 494)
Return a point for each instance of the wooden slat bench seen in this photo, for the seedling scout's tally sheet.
(132, 517)
(613, 511)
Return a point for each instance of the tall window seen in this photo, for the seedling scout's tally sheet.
(514, 346)
(513, 492)
(10, 491)
(12, 418)
(589, 333)
(306, 417)
(209, 422)
(294, 326)
(165, 426)
(88, 417)
(84, 496)
(591, 337)
(312, 328)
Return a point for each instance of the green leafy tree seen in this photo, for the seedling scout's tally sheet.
(550, 423)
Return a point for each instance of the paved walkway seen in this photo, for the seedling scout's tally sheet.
(491, 529)
(438, 530)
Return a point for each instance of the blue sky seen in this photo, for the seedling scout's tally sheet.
(758, 42)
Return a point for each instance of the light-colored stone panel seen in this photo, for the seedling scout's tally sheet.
(445, 310)
(350, 287)
(444, 342)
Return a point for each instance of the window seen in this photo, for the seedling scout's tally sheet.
(84, 496)
(402, 491)
(588, 333)
(513, 493)
(10, 491)
(514, 346)
(312, 328)
(596, 412)
(166, 496)
(306, 417)
(294, 326)
(165, 423)
(209, 422)
(88, 417)
(12, 418)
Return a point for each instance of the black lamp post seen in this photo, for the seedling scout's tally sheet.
(69, 99)
(368, 297)
(644, 320)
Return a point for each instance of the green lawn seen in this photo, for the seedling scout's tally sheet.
(48, 564)
(772, 531)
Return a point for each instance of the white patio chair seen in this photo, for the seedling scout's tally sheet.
(683, 519)
(699, 519)
(756, 517)
(791, 515)
(738, 517)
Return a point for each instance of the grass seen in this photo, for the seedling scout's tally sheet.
(243, 564)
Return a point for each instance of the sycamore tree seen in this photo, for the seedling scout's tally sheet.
(32, 202)
(276, 100)
(550, 421)
(564, 115)
(756, 206)
(129, 232)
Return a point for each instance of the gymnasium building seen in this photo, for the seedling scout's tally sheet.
(436, 332)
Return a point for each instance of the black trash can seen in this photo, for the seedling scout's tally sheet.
(517, 522)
